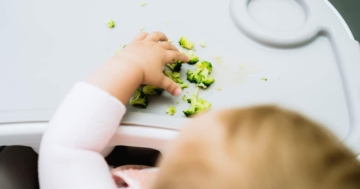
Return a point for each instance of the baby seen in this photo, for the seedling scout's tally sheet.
(254, 148)
(257, 148)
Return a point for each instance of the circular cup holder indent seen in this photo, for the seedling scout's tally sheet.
(279, 15)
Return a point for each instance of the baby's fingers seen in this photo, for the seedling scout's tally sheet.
(174, 56)
(168, 46)
(170, 86)
(157, 36)
(140, 36)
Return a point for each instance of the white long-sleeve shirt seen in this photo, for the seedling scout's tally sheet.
(80, 129)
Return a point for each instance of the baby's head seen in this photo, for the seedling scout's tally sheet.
(257, 148)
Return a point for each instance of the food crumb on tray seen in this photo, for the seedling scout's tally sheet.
(111, 23)
(143, 3)
(171, 110)
(202, 44)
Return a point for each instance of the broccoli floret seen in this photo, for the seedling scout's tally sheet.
(193, 57)
(205, 64)
(139, 99)
(171, 110)
(175, 76)
(201, 75)
(152, 90)
(197, 105)
(183, 85)
(185, 43)
(176, 67)
(111, 24)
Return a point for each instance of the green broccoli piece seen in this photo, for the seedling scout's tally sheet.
(201, 75)
(111, 24)
(171, 110)
(175, 76)
(176, 67)
(205, 64)
(183, 85)
(139, 99)
(193, 58)
(197, 105)
(152, 90)
(185, 43)
(184, 98)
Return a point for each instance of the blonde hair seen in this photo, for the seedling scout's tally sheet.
(258, 148)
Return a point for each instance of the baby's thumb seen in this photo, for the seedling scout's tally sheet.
(170, 86)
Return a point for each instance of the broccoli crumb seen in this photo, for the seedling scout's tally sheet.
(143, 3)
(193, 57)
(177, 102)
(184, 98)
(111, 24)
(219, 60)
(142, 29)
(118, 51)
(171, 110)
(168, 22)
(264, 79)
(219, 89)
(202, 44)
(185, 43)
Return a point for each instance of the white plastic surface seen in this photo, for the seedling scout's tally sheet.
(146, 137)
(309, 59)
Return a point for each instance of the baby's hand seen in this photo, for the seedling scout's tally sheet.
(141, 62)
(149, 53)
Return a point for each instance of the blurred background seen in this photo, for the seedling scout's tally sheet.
(349, 10)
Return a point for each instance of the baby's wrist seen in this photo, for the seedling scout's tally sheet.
(119, 76)
(128, 66)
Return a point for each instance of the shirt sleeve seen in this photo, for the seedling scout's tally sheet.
(80, 129)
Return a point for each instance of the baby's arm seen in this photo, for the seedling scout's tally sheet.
(91, 112)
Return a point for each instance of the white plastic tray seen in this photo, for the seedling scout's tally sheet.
(303, 48)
